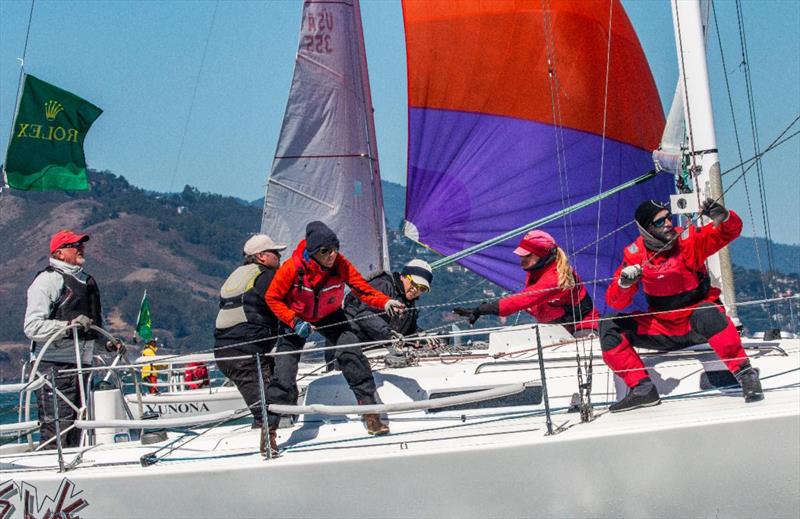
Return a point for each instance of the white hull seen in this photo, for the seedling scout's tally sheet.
(706, 455)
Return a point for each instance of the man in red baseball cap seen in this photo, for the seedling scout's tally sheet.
(553, 291)
(66, 239)
(63, 294)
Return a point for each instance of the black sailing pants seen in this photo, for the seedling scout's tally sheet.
(67, 384)
(244, 374)
(336, 329)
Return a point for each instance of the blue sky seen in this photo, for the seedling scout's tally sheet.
(140, 62)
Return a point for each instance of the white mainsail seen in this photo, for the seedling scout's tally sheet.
(326, 162)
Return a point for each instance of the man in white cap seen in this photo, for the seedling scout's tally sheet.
(406, 286)
(244, 317)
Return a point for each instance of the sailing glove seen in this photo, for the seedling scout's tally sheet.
(483, 309)
(394, 307)
(302, 328)
(715, 211)
(629, 276)
(85, 322)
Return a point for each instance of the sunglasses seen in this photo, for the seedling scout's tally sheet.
(76, 245)
(325, 251)
(419, 288)
(660, 222)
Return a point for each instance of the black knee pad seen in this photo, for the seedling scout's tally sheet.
(707, 320)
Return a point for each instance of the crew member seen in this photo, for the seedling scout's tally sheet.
(684, 309)
(553, 291)
(406, 286)
(308, 290)
(63, 294)
(196, 375)
(150, 371)
(246, 326)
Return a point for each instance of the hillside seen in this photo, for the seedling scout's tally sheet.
(747, 252)
(180, 246)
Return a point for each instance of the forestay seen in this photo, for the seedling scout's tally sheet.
(326, 163)
(514, 115)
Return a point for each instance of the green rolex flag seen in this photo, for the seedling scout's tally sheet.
(144, 323)
(46, 148)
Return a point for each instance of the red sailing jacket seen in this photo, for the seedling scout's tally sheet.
(197, 374)
(549, 304)
(676, 279)
(302, 289)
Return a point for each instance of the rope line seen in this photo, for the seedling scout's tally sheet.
(461, 333)
(194, 97)
(754, 129)
(739, 150)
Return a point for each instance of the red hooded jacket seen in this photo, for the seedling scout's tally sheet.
(676, 279)
(549, 304)
(303, 289)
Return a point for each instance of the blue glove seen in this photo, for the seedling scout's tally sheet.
(302, 328)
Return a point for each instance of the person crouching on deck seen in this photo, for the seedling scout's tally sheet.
(553, 291)
(406, 286)
(671, 269)
(307, 291)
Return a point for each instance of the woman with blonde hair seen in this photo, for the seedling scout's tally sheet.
(553, 292)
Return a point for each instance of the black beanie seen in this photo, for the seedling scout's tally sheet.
(319, 235)
(646, 211)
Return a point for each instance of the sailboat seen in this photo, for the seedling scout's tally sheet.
(490, 433)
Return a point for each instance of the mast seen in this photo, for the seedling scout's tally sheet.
(703, 156)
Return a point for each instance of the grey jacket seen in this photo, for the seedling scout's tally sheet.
(42, 294)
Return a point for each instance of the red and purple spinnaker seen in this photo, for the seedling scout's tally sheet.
(509, 115)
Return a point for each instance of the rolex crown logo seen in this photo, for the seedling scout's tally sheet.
(51, 109)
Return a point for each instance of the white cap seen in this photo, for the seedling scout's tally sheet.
(420, 271)
(260, 243)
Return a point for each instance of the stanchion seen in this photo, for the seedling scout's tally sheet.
(545, 397)
(57, 421)
(263, 403)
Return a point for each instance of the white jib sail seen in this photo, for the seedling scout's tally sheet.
(326, 162)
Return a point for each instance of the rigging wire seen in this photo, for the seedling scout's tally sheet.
(739, 149)
(602, 147)
(194, 97)
(561, 155)
(19, 87)
(754, 128)
(463, 333)
(555, 107)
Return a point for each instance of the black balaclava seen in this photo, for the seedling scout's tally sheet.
(654, 238)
